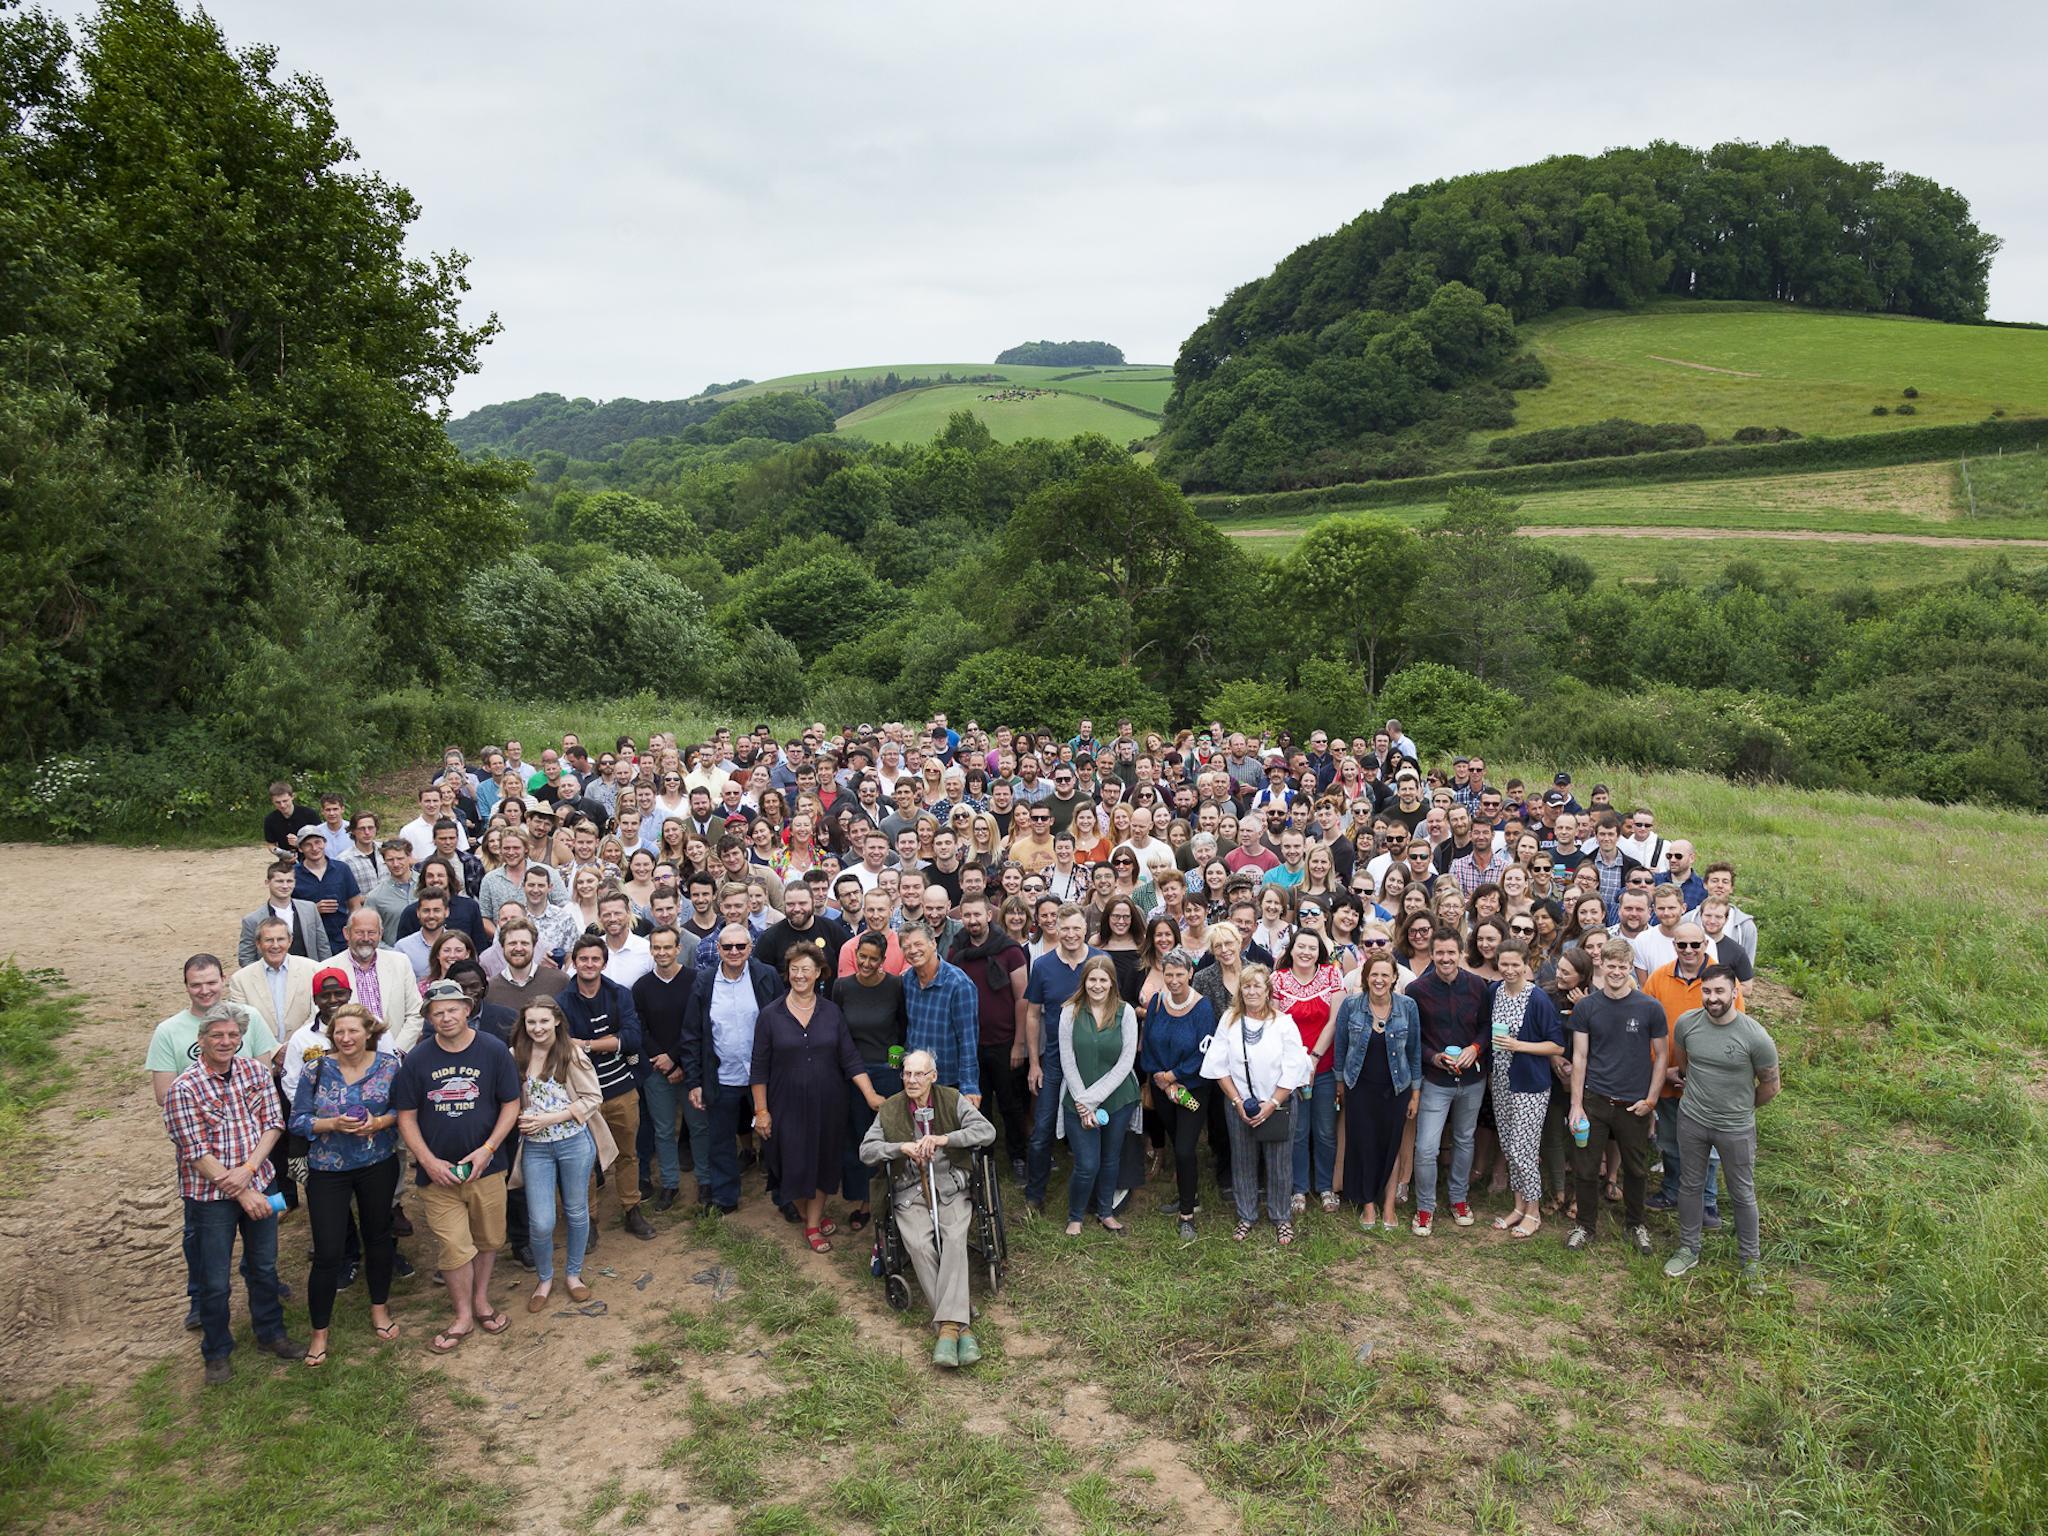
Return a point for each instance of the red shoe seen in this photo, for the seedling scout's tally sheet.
(1420, 1226)
(1461, 1213)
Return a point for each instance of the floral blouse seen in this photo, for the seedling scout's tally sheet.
(324, 1093)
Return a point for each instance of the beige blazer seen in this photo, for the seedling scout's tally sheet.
(588, 1099)
(251, 988)
(399, 992)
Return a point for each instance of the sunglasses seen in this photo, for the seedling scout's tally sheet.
(1687, 944)
(731, 949)
(1544, 869)
(1521, 929)
(1373, 943)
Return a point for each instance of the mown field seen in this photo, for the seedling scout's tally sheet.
(1904, 502)
(917, 416)
(1890, 1378)
(1143, 385)
(1769, 366)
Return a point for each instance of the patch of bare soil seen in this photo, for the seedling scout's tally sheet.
(1679, 362)
(90, 1261)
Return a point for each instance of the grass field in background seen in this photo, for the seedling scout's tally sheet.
(1817, 371)
(1143, 385)
(2012, 487)
(917, 416)
(1823, 567)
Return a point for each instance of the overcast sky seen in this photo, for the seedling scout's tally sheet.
(659, 195)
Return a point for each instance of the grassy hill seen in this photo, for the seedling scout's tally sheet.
(1726, 366)
(1143, 385)
(918, 415)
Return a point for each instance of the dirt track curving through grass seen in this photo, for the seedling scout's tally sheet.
(1785, 535)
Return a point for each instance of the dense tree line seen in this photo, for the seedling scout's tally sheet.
(1063, 354)
(234, 532)
(1366, 348)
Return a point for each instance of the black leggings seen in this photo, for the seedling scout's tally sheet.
(329, 1195)
(1183, 1130)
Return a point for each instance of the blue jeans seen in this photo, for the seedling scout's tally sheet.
(1460, 1106)
(664, 1103)
(856, 1176)
(725, 1106)
(215, 1225)
(1098, 1154)
(551, 1165)
(1667, 1143)
(1315, 1123)
(1045, 1119)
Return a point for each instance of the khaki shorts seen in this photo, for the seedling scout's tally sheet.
(466, 1219)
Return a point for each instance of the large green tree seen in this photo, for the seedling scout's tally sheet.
(1350, 581)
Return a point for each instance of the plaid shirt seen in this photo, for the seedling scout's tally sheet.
(223, 1116)
(1471, 874)
(945, 1019)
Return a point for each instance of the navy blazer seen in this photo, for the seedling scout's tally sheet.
(700, 1054)
(1404, 1040)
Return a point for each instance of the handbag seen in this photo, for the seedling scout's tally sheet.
(1278, 1126)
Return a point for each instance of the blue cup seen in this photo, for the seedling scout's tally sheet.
(276, 1203)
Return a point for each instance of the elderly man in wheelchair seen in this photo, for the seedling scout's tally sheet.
(927, 1136)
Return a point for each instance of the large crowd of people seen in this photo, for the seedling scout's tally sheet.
(1339, 973)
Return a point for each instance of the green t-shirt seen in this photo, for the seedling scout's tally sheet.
(1722, 1064)
(175, 1044)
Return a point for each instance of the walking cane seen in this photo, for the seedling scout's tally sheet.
(923, 1117)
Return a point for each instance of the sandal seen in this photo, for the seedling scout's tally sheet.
(387, 1333)
(578, 1291)
(500, 1319)
(1073, 1229)
(315, 1358)
(447, 1341)
(1243, 1231)
(817, 1240)
(1330, 1202)
(828, 1227)
(1613, 1194)
(1525, 1229)
(858, 1220)
(1111, 1224)
(1286, 1231)
(1502, 1223)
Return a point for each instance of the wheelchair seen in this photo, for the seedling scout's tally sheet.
(987, 1239)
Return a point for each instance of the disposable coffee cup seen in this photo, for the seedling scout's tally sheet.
(1582, 1131)
(277, 1203)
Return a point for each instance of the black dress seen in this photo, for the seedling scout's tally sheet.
(1374, 1119)
(806, 1071)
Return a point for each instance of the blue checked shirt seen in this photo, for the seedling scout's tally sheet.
(945, 1019)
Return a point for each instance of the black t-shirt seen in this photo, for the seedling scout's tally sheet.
(277, 826)
(1409, 819)
(875, 1015)
(779, 940)
(458, 1096)
(1619, 1033)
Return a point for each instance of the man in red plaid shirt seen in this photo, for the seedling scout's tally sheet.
(224, 1117)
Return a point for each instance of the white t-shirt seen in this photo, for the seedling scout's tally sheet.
(627, 964)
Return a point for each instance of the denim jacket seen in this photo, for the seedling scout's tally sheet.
(1404, 1040)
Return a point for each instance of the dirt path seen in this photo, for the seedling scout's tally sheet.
(1679, 362)
(90, 1264)
(89, 1259)
(1784, 535)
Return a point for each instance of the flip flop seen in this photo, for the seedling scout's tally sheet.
(453, 1341)
(315, 1358)
(387, 1333)
(499, 1318)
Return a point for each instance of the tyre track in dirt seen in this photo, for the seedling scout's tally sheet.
(90, 1261)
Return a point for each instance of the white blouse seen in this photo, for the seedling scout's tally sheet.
(1278, 1061)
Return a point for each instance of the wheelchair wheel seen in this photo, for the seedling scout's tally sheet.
(898, 1290)
(989, 1211)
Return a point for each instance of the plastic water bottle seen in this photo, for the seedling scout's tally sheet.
(1102, 1117)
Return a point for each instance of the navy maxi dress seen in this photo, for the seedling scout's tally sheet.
(806, 1072)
